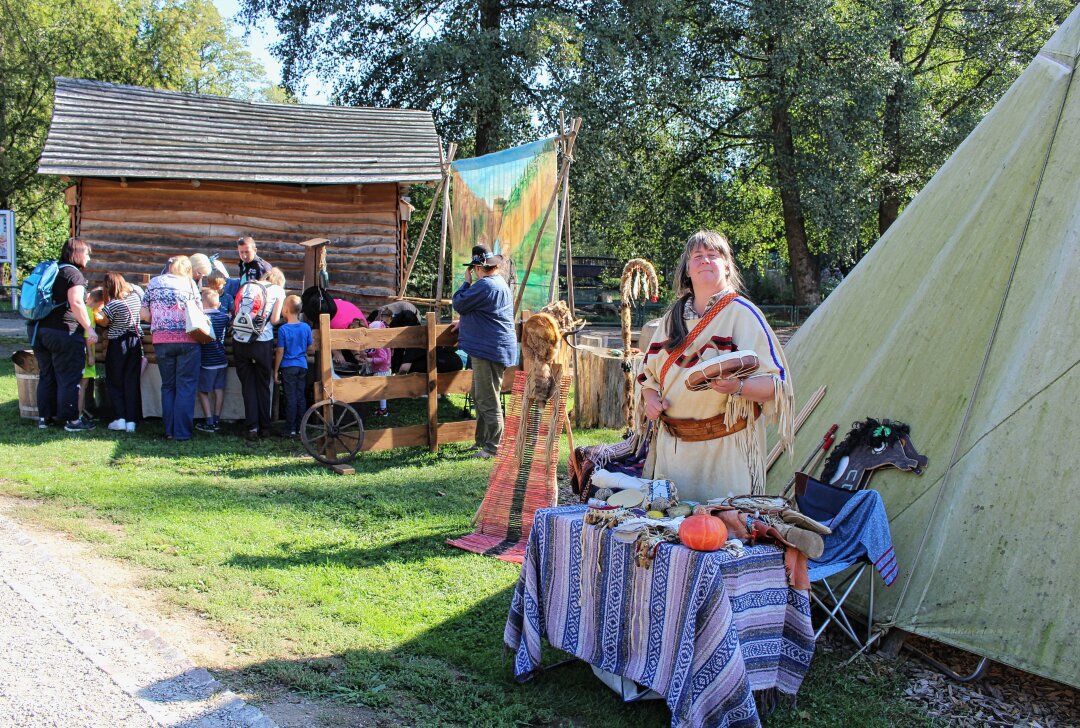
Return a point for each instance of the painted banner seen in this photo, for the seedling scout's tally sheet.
(499, 200)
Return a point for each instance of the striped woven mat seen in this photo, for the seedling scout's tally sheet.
(519, 486)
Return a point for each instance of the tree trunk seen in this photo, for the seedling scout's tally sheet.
(804, 273)
(4, 201)
(892, 143)
(489, 109)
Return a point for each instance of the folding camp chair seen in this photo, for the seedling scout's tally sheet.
(824, 506)
(824, 594)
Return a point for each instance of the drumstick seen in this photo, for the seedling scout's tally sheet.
(803, 415)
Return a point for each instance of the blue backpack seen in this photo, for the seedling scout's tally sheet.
(36, 296)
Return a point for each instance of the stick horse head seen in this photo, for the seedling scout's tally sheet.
(869, 446)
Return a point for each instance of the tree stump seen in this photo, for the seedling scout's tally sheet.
(599, 382)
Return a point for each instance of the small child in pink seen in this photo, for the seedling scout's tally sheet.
(380, 365)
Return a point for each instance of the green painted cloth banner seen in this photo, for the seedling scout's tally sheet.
(499, 200)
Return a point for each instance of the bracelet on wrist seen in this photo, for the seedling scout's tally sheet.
(738, 392)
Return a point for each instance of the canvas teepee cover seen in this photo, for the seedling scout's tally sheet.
(964, 321)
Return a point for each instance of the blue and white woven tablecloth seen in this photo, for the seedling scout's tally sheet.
(705, 630)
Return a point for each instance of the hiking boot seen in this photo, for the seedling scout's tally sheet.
(79, 425)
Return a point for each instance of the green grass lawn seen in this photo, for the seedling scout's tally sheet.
(342, 587)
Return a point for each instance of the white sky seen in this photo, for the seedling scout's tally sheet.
(258, 42)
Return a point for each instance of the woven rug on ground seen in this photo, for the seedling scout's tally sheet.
(707, 630)
(519, 486)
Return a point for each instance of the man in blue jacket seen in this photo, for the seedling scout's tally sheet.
(487, 336)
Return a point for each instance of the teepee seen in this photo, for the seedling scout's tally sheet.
(964, 321)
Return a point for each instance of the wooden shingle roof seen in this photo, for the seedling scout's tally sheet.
(108, 130)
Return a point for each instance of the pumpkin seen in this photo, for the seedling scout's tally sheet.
(703, 533)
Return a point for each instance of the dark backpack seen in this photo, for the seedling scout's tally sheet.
(315, 301)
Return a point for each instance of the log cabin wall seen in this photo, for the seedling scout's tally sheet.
(135, 226)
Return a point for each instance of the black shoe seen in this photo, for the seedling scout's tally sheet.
(251, 435)
(79, 425)
(205, 427)
(42, 423)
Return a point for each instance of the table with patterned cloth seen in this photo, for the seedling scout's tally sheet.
(705, 630)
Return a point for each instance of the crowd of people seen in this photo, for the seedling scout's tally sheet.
(269, 333)
(271, 339)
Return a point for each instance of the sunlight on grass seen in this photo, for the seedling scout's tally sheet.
(336, 586)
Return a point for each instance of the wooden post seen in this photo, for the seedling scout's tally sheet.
(570, 288)
(423, 232)
(560, 217)
(432, 384)
(547, 212)
(314, 260)
(445, 223)
(326, 374)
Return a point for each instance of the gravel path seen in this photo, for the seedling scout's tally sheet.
(73, 657)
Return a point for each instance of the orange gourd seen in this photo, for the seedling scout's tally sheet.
(703, 533)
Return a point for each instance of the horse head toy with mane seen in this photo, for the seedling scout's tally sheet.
(869, 446)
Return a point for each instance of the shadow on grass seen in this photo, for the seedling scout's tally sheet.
(149, 440)
(396, 552)
(456, 673)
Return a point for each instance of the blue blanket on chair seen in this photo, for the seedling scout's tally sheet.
(861, 528)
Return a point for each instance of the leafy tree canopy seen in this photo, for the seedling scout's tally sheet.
(182, 45)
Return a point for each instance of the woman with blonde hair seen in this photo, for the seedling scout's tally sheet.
(711, 443)
(178, 354)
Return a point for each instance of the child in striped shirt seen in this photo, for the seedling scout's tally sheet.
(215, 365)
(124, 354)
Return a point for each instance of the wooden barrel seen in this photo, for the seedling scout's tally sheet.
(26, 375)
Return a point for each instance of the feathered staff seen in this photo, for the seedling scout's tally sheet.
(638, 277)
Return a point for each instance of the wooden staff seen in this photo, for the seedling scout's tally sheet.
(423, 232)
(445, 223)
(567, 158)
(560, 217)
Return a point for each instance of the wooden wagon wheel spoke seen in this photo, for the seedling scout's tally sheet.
(340, 418)
(318, 414)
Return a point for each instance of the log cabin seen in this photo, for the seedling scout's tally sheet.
(158, 173)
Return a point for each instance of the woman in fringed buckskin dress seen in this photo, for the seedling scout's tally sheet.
(725, 454)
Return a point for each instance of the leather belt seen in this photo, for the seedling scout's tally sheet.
(712, 428)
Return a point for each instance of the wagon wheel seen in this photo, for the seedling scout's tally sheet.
(332, 432)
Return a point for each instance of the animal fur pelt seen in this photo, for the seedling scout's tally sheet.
(541, 339)
(544, 355)
(561, 313)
